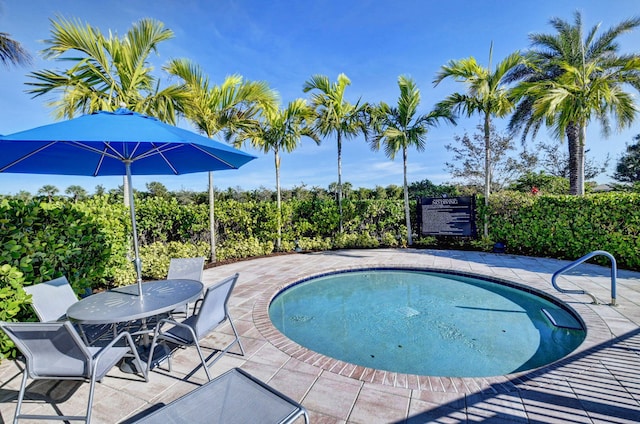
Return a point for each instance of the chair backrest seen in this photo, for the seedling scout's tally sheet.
(51, 299)
(187, 268)
(213, 310)
(50, 348)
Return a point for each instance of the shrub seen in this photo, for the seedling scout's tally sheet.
(45, 241)
(156, 257)
(13, 304)
(244, 249)
(568, 227)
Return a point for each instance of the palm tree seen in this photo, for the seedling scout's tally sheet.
(487, 94)
(76, 192)
(281, 130)
(106, 72)
(400, 128)
(49, 191)
(572, 77)
(229, 108)
(336, 115)
(12, 52)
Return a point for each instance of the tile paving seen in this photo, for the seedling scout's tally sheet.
(597, 383)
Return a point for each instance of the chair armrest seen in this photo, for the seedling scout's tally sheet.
(196, 306)
(160, 333)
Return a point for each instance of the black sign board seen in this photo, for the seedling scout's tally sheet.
(447, 216)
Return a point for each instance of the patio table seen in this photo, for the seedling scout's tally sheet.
(123, 304)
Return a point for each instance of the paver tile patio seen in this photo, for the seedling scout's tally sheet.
(597, 383)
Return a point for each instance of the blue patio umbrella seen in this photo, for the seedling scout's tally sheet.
(115, 143)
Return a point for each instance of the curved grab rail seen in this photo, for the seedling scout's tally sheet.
(614, 273)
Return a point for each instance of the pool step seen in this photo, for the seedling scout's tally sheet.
(561, 318)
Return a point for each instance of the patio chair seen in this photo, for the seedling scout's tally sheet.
(55, 351)
(187, 268)
(235, 397)
(50, 301)
(209, 312)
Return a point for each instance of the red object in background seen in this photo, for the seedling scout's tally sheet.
(534, 190)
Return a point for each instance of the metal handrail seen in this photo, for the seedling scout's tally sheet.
(614, 273)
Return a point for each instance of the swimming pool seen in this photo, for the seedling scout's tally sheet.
(426, 322)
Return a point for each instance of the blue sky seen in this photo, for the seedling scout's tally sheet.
(286, 42)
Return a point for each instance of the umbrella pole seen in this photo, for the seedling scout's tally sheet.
(137, 263)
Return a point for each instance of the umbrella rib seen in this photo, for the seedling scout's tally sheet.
(27, 156)
(160, 150)
(214, 156)
(101, 152)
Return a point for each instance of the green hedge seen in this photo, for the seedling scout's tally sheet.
(568, 227)
(45, 241)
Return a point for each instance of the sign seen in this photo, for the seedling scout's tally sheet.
(447, 216)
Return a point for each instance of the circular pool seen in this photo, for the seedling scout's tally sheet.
(426, 322)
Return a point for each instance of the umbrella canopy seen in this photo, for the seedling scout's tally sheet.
(115, 143)
(102, 143)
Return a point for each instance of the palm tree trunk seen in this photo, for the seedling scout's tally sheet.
(407, 212)
(340, 178)
(278, 200)
(212, 222)
(576, 160)
(580, 160)
(487, 169)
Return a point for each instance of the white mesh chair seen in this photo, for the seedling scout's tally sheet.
(50, 301)
(209, 313)
(185, 268)
(235, 397)
(55, 351)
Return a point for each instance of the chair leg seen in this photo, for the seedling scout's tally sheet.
(204, 362)
(90, 402)
(23, 389)
(235, 332)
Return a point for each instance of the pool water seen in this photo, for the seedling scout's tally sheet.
(425, 323)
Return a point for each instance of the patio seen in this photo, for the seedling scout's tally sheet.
(599, 382)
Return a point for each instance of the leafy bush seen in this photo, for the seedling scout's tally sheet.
(568, 227)
(244, 249)
(45, 241)
(316, 243)
(115, 221)
(13, 304)
(156, 257)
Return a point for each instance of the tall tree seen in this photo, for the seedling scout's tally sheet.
(335, 115)
(157, 189)
(76, 192)
(628, 166)
(106, 72)
(401, 127)
(228, 108)
(281, 130)
(487, 94)
(49, 191)
(12, 52)
(573, 77)
(555, 162)
(468, 159)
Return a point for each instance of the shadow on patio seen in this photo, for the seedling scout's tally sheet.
(600, 384)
